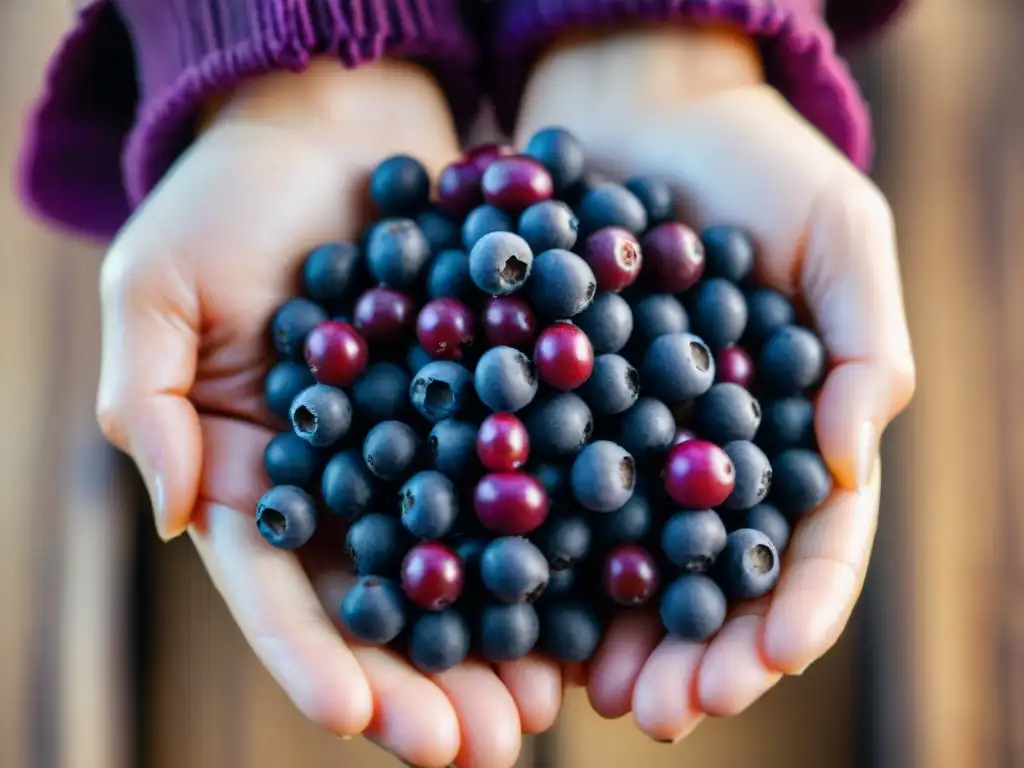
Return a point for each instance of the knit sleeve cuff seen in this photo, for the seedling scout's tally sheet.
(798, 50)
(124, 90)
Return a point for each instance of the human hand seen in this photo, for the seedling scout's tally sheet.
(692, 105)
(188, 289)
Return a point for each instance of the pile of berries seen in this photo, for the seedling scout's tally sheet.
(538, 400)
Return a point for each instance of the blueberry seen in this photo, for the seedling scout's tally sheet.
(603, 476)
(719, 313)
(329, 273)
(612, 205)
(800, 482)
(321, 415)
(559, 426)
(286, 517)
(440, 389)
(769, 521)
(570, 632)
(290, 460)
(677, 367)
(429, 505)
(283, 384)
(448, 276)
(505, 379)
(564, 541)
(381, 393)
(726, 412)
(787, 423)
(500, 263)
(563, 284)
(562, 584)
(452, 446)
(438, 641)
(629, 524)
(396, 252)
(554, 478)
(573, 195)
(390, 450)
(347, 486)
(657, 315)
(514, 570)
(693, 539)
(748, 567)
(753, 475)
(560, 153)
(399, 186)
(613, 387)
(373, 611)
(767, 311)
(656, 196)
(728, 253)
(442, 232)
(608, 323)
(483, 220)
(548, 224)
(291, 324)
(508, 632)
(376, 544)
(792, 361)
(469, 551)
(647, 429)
(693, 607)
(417, 358)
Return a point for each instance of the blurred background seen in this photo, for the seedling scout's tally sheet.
(115, 651)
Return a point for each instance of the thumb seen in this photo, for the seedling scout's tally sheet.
(150, 342)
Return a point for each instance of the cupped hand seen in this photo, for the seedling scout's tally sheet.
(188, 289)
(692, 105)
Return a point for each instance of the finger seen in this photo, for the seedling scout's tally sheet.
(488, 718)
(536, 687)
(822, 577)
(613, 674)
(148, 366)
(664, 701)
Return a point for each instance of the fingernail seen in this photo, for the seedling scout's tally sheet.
(867, 449)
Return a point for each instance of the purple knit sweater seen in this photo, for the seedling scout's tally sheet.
(123, 90)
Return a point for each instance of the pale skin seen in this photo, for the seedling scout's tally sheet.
(190, 282)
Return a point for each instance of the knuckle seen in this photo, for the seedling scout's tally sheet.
(856, 208)
(110, 418)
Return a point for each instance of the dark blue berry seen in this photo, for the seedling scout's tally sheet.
(613, 386)
(440, 390)
(483, 220)
(505, 379)
(800, 482)
(769, 521)
(647, 429)
(728, 253)
(562, 285)
(719, 313)
(693, 607)
(438, 641)
(559, 426)
(291, 324)
(748, 567)
(787, 423)
(570, 632)
(573, 195)
(376, 544)
(286, 517)
(399, 186)
(753, 475)
(692, 540)
(417, 358)
(657, 198)
(500, 263)
(452, 447)
(548, 224)
(448, 276)
(629, 524)
(554, 478)
(611, 205)
(290, 460)
(442, 232)
(561, 585)
(560, 153)
(603, 476)
(792, 361)
(514, 570)
(726, 412)
(283, 384)
(657, 315)
(608, 323)
(381, 393)
(767, 311)
(321, 415)
(677, 367)
(429, 506)
(508, 632)
(348, 488)
(390, 450)
(330, 272)
(373, 611)
(396, 252)
(564, 541)
(469, 551)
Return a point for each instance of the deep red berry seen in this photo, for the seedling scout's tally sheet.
(483, 155)
(614, 255)
(502, 443)
(564, 356)
(445, 328)
(630, 575)
(673, 257)
(509, 321)
(383, 314)
(432, 576)
(516, 182)
(682, 435)
(699, 475)
(336, 354)
(511, 503)
(458, 187)
(734, 365)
